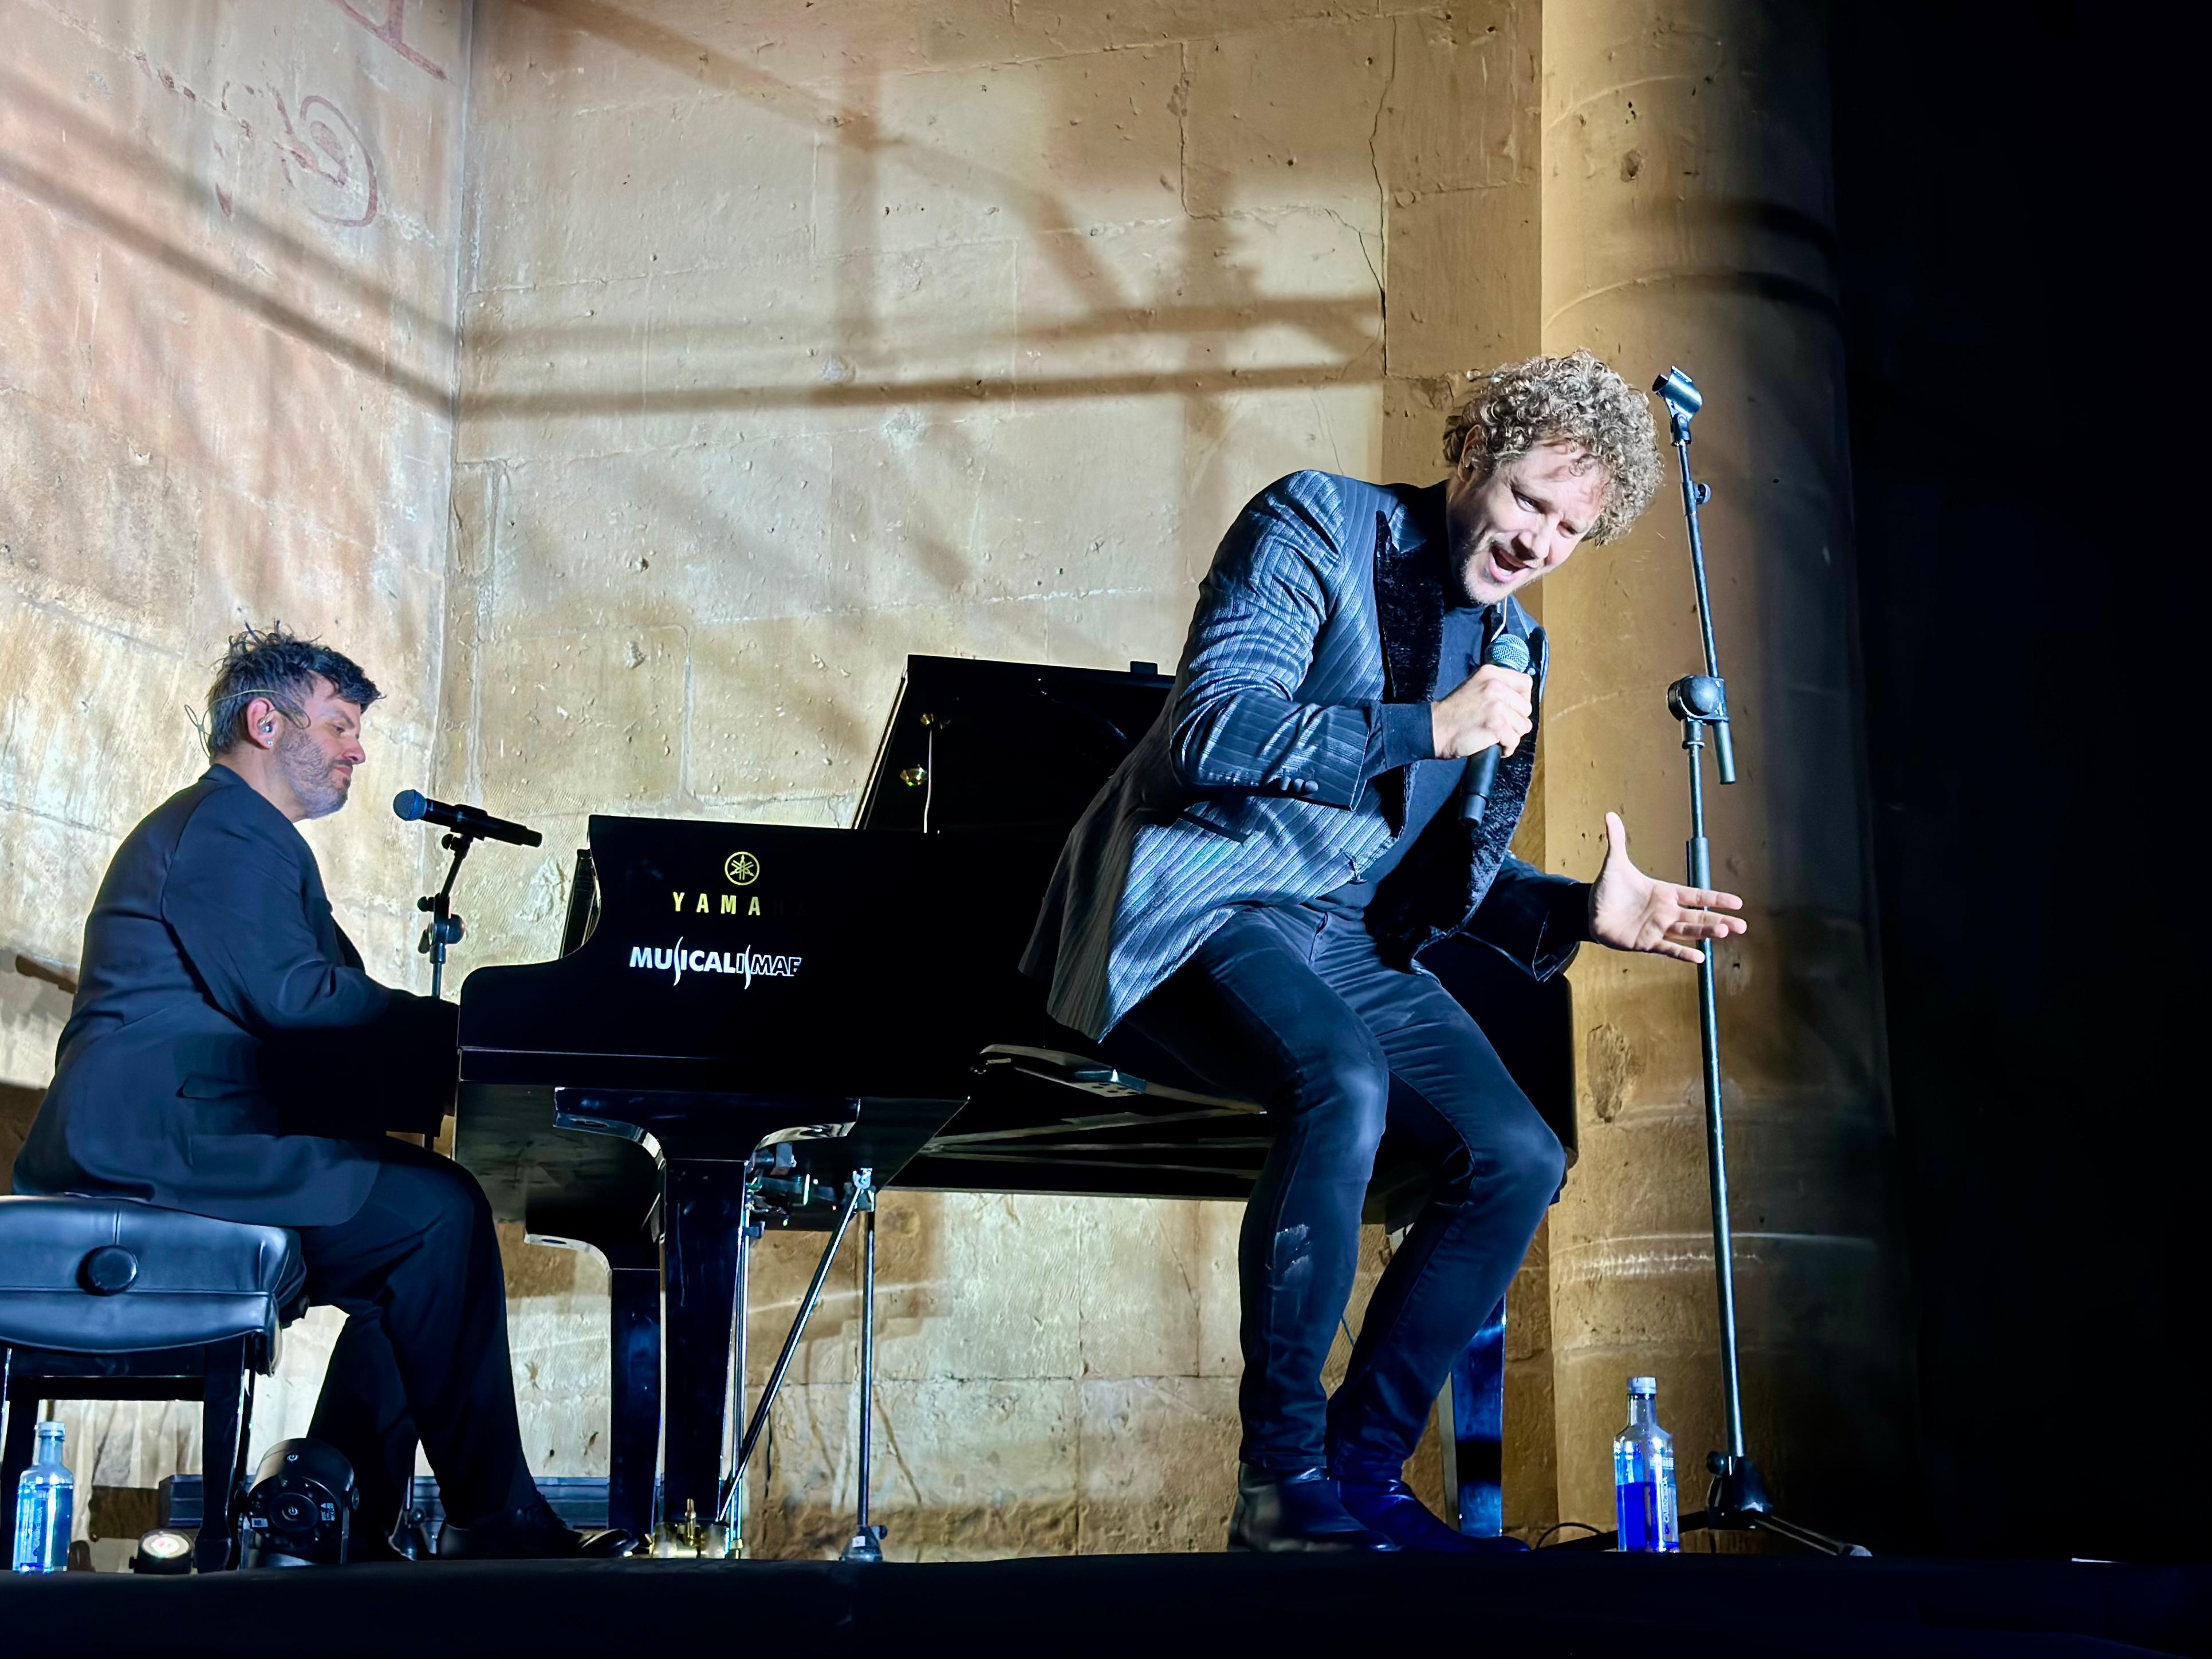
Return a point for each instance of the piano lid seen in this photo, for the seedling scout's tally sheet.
(1017, 748)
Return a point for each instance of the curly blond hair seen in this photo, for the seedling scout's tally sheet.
(1573, 399)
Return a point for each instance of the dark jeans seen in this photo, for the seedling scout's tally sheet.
(1295, 1009)
(424, 1351)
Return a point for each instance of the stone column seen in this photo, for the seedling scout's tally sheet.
(1686, 218)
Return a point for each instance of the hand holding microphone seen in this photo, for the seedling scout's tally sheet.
(1485, 718)
(1494, 708)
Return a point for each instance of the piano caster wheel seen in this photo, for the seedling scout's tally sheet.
(867, 1545)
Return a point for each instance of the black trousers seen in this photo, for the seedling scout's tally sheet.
(424, 1349)
(1292, 1008)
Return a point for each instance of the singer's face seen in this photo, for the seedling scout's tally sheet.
(317, 759)
(1514, 523)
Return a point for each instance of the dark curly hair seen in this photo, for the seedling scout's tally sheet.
(275, 664)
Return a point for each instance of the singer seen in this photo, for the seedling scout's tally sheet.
(1244, 903)
(228, 1054)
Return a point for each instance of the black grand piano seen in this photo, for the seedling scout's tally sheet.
(753, 1026)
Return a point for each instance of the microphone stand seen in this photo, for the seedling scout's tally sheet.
(1737, 1500)
(411, 1536)
(445, 927)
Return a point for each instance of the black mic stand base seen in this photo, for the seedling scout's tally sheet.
(1737, 1502)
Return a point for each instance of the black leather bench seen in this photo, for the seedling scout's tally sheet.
(104, 1298)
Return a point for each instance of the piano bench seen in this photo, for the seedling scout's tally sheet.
(108, 1298)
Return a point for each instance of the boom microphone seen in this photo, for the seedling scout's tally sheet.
(1506, 651)
(413, 805)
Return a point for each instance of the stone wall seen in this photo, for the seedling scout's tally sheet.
(227, 331)
(796, 339)
(1688, 218)
(634, 384)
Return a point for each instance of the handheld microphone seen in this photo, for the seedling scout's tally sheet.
(413, 805)
(1506, 651)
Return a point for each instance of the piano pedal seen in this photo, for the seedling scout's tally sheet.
(690, 1539)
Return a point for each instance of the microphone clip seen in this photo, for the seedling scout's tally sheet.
(1699, 700)
(444, 929)
(1701, 697)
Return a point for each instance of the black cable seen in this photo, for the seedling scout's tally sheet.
(1557, 1525)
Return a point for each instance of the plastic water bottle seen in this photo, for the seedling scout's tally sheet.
(45, 1507)
(1643, 1475)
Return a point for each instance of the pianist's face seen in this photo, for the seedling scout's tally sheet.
(317, 758)
(1514, 522)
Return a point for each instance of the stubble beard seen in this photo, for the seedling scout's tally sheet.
(310, 775)
(1470, 570)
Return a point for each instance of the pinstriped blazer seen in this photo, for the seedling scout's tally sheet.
(1325, 601)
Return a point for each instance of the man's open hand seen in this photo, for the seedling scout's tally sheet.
(1630, 911)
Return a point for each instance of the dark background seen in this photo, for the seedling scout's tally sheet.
(2024, 511)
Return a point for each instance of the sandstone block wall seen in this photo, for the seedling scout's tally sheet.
(1688, 217)
(228, 235)
(795, 339)
(632, 385)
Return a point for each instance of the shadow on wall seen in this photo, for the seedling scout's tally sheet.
(18, 1106)
(1344, 328)
(38, 995)
(151, 169)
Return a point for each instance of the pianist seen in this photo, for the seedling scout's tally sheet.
(1248, 891)
(227, 1056)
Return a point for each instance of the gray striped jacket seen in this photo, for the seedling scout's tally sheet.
(1325, 601)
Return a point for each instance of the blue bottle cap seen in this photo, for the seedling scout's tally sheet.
(1644, 1385)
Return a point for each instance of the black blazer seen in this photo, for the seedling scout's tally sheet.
(227, 1053)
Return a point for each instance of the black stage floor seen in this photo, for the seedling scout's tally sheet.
(1550, 1604)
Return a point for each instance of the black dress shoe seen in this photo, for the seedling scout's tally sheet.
(1391, 1509)
(1298, 1510)
(532, 1533)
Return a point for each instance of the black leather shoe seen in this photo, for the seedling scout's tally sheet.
(1391, 1509)
(532, 1533)
(1278, 1511)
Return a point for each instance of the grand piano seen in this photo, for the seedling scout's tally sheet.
(751, 1025)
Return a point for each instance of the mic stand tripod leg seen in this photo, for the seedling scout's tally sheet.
(867, 1543)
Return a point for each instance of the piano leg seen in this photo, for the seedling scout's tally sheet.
(634, 1392)
(1474, 1427)
(704, 1218)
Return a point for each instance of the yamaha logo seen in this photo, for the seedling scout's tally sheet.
(742, 868)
